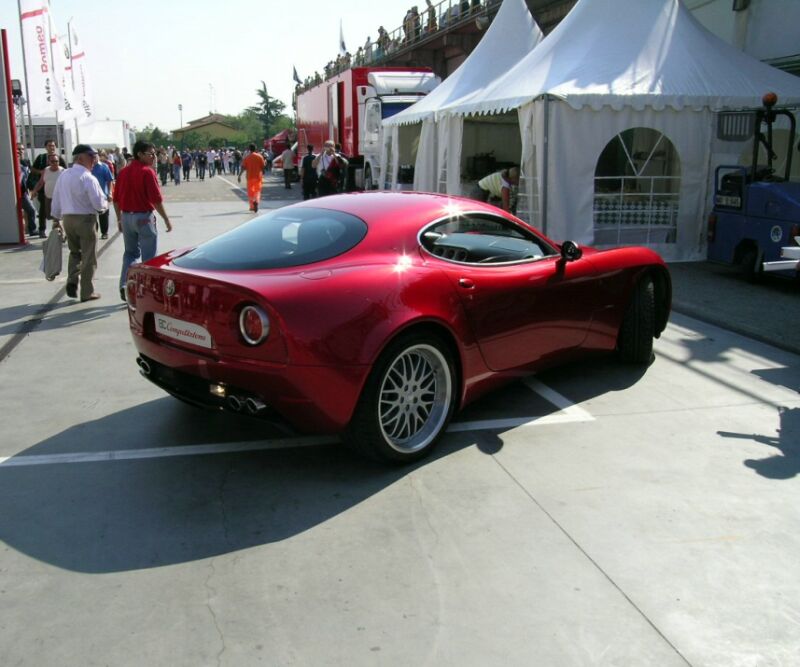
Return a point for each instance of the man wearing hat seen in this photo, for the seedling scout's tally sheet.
(77, 199)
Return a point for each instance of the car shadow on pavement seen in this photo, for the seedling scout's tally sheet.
(595, 377)
(114, 516)
(120, 515)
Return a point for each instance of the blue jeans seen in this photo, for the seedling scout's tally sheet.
(141, 239)
(30, 214)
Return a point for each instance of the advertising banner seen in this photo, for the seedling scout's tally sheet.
(83, 98)
(63, 83)
(35, 24)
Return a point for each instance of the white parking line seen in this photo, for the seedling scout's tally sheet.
(568, 412)
(164, 452)
(233, 185)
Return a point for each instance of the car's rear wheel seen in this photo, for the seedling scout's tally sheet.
(748, 265)
(635, 344)
(407, 401)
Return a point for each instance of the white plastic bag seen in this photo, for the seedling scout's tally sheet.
(52, 250)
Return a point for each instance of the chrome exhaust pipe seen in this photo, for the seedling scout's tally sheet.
(254, 406)
(144, 366)
(235, 403)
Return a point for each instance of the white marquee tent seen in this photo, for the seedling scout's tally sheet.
(617, 110)
(511, 36)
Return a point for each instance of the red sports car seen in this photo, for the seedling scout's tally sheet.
(377, 315)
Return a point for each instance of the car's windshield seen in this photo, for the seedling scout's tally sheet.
(283, 238)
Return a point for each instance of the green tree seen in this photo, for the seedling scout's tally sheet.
(267, 110)
(249, 125)
(153, 135)
(283, 122)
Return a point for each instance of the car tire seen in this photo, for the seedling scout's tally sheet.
(407, 401)
(368, 184)
(635, 343)
(748, 265)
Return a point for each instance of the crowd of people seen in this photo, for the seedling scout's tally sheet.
(38, 181)
(76, 201)
(320, 175)
(175, 164)
(416, 25)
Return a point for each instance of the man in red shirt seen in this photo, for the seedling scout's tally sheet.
(253, 166)
(136, 196)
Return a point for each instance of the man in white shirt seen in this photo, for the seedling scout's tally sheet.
(47, 182)
(331, 167)
(288, 167)
(211, 155)
(77, 199)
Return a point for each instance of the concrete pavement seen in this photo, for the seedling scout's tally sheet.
(768, 311)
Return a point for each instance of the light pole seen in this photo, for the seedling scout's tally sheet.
(180, 111)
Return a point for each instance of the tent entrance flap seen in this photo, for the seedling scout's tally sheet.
(489, 144)
(408, 139)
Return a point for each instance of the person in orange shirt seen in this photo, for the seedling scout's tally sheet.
(253, 166)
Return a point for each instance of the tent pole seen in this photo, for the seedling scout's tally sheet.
(545, 160)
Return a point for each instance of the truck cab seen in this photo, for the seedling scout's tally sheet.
(348, 108)
(756, 209)
(386, 94)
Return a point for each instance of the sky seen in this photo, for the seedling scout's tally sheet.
(147, 57)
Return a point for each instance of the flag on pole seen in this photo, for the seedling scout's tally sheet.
(35, 28)
(296, 76)
(62, 85)
(342, 46)
(62, 76)
(83, 98)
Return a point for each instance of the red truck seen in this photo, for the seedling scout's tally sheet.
(349, 107)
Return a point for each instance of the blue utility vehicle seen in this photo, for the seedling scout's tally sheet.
(756, 210)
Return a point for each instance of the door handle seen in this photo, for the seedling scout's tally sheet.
(466, 283)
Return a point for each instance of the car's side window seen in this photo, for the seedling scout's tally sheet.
(483, 239)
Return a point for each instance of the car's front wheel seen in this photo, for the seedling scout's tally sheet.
(635, 343)
(407, 401)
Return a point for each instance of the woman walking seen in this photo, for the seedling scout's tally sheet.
(176, 167)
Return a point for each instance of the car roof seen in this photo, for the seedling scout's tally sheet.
(398, 213)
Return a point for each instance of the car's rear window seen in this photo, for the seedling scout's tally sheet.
(283, 238)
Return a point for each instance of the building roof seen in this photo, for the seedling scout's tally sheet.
(205, 121)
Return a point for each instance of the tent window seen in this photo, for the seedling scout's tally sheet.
(637, 189)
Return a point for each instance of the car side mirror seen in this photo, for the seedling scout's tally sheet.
(570, 251)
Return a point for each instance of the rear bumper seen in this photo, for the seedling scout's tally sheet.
(311, 399)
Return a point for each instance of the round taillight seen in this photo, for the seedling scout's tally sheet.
(254, 325)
